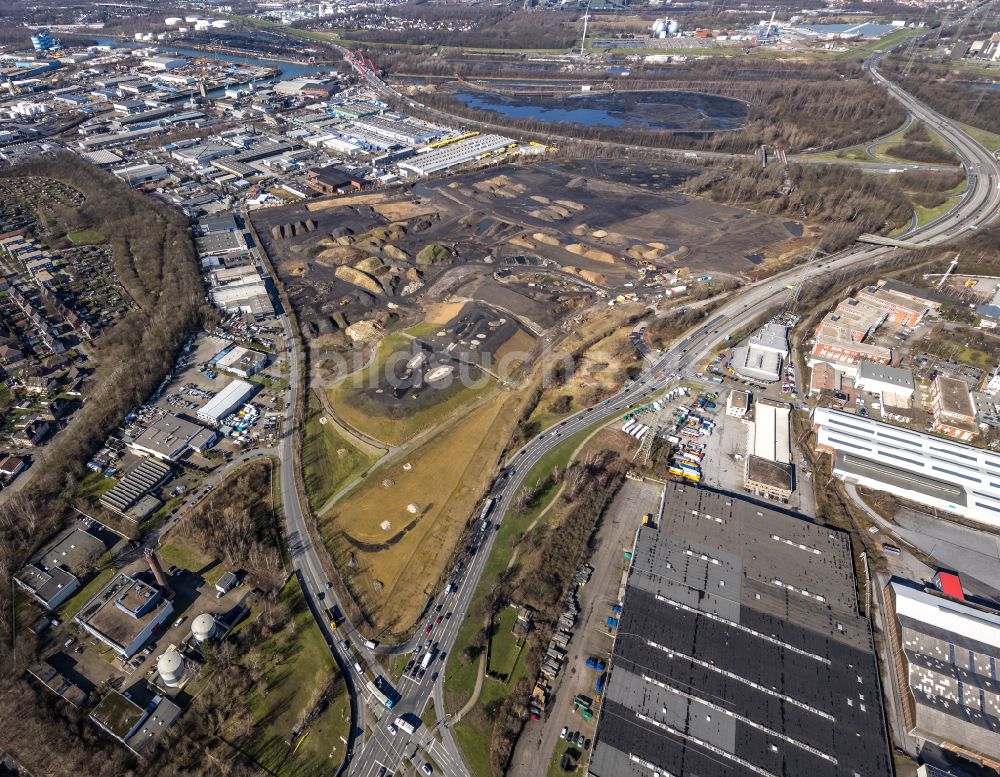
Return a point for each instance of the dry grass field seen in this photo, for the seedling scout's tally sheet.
(394, 556)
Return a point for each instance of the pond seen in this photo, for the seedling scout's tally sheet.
(666, 110)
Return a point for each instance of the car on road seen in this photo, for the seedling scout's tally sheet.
(426, 769)
(69, 641)
(428, 629)
(391, 729)
(439, 619)
(179, 621)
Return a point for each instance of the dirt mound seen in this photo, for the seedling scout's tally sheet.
(372, 265)
(339, 255)
(540, 199)
(548, 240)
(434, 253)
(360, 279)
(395, 253)
(590, 253)
(294, 229)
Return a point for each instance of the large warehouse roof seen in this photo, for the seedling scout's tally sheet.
(455, 154)
(933, 471)
(947, 668)
(740, 652)
(768, 434)
(226, 401)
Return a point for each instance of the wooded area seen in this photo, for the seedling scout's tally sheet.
(848, 201)
(961, 95)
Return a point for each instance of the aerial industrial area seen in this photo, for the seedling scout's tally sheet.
(529, 389)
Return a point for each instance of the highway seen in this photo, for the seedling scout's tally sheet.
(386, 749)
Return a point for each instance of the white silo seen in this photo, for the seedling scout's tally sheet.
(172, 21)
(220, 24)
(203, 627)
(673, 27)
(171, 667)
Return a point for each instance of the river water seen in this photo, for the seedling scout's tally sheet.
(287, 70)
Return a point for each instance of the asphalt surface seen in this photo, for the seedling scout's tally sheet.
(386, 750)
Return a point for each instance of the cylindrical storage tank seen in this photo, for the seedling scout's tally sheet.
(673, 27)
(203, 627)
(172, 21)
(170, 666)
(190, 19)
(220, 23)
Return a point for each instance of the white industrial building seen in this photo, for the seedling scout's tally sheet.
(138, 174)
(932, 471)
(762, 357)
(164, 63)
(768, 435)
(892, 383)
(455, 154)
(241, 362)
(226, 402)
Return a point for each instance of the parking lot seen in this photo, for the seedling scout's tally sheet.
(591, 636)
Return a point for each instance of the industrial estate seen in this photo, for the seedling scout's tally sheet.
(485, 389)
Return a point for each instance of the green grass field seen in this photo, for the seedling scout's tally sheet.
(70, 607)
(94, 485)
(298, 664)
(178, 551)
(86, 237)
(927, 215)
(504, 647)
(326, 470)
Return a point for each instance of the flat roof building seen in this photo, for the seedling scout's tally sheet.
(171, 437)
(768, 434)
(52, 577)
(773, 479)
(844, 353)
(756, 364)
(772, 337)
(130, 497)
(932, 471)
(903, 309)
(455, 154)
(885, 380)
(242, 362)
(125, 613)
(852, 318)
(954, 412)
(739, 651)
(738, 403)
(226, 402)
(944, 652)
(136, 726)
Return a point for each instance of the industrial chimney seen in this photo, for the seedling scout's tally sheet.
(161, 579)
